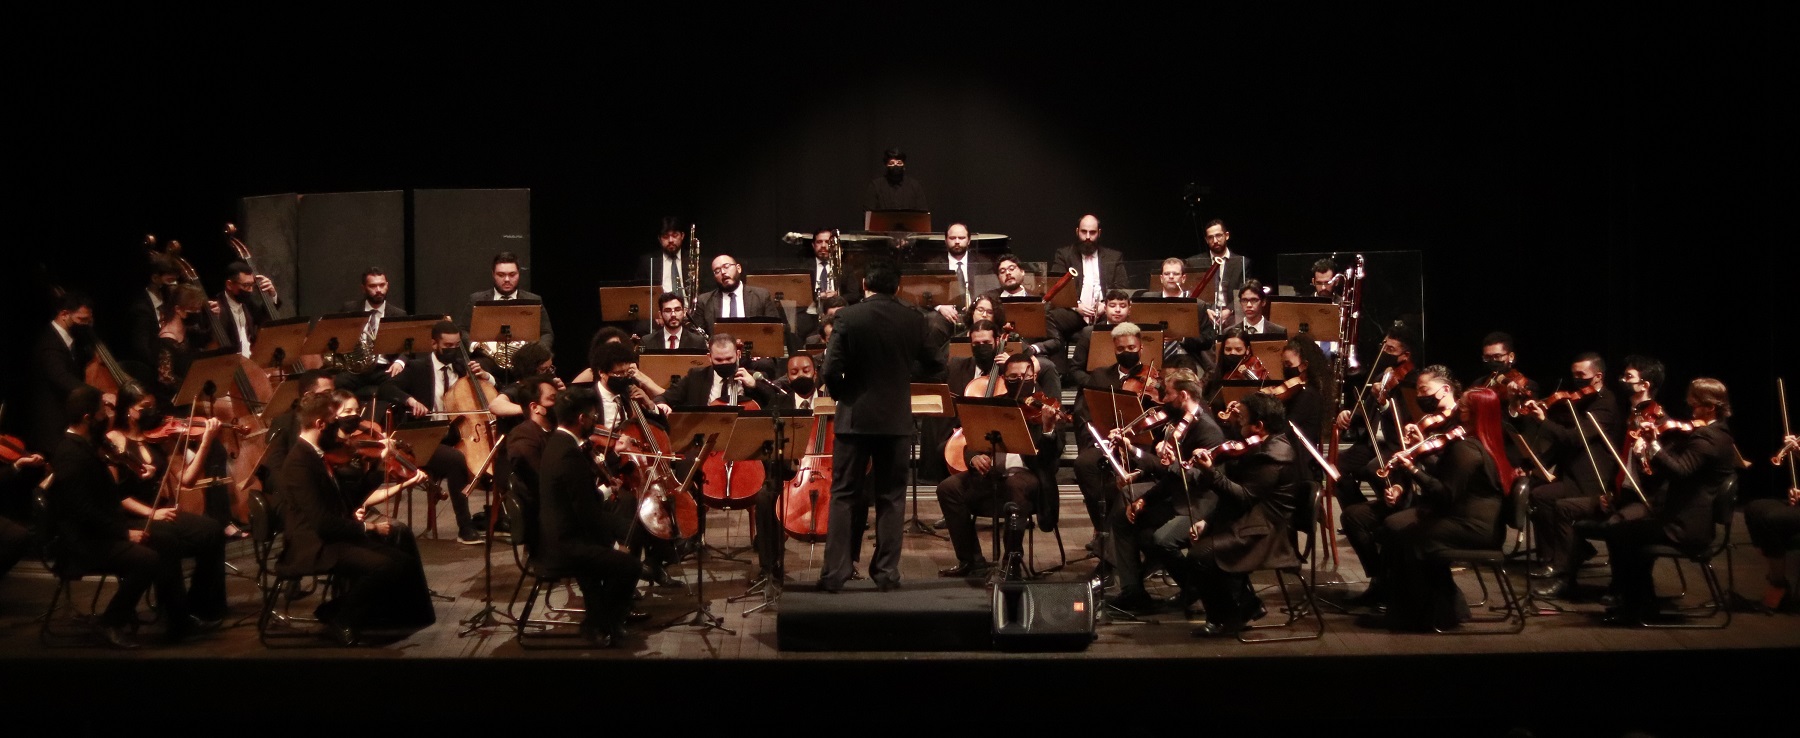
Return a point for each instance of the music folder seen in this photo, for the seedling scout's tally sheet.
(1315, 316)
(337, 333)
(932, 400)
(1027, 315)
(897, 221)
(664, 366)
(761, 337)
(505, 320)
(983, 416)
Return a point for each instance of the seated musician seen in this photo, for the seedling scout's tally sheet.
(1255, 305)
(240, 314)
(525, 448)
(799, 391)
(1011, 278)
(991, 485)
(1117, 310)
(1220, 296)
(577, 535)
(1363, 519)
(1499, 359)
(1688, 469)
(1325, 279)
(375, 302)
(974, 274)
(1235, 360)
(622, 398)
(732, 298)
(1098, 268)
(1245, 509)
(1161, 509)
(328, 530)
(1092, 472)
(508, 405)
(90, 514)
(828, 308)
(1585, 470)
(177, 341)
(142, 313)
(284, 428)
(672, 332)
(147, 481)
(1458, 499)
(506, 287)
(422, 388)
(1171, 280)
(1773, 524)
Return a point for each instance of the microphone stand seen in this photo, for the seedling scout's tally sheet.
(702, 614)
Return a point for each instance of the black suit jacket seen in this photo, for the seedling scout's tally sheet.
(1112, 269)
(545, 335)
(691, 389)
(1693, 470)
(314, 512)
(758, 303)
(143, 324)
(84, 498)
(258, 316)
(689, 340)
(1233, 273)
(416, 382)
(1270, 328)
(876, 350)
(649, 270)
(570, 512)
(1571, 453)
(56, 370)
(1255, 506)
(356, 306)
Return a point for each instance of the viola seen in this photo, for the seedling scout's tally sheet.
(366, 451)
(1229, 449)
(806, 500)
(731, 485)
(1557, 398)
(1421, 449)
(12, 449)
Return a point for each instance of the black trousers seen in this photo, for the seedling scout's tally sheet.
(157, 563)
(967, 494)
(407, 602)
(15, 539)
(449, 465)
(1226, 595)
(1631, 568)
(1554, 509)
(1773, 525)
(1095, 478)
(1363, 523)
(884, 459)
(369, 571)
(1160, 536)
(607, 578)
(1421, 592)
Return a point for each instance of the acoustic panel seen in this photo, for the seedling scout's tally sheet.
(456, 234)
(342, 234)
(270, 226)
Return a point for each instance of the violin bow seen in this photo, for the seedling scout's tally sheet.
(1786, 430)
(1581, 434)
(1615, 454)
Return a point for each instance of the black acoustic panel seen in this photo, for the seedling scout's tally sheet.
(270, 226)
(455, 236)
(342, 234)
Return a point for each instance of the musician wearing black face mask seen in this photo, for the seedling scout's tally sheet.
(58, 361)
(800, 391)
(1092, 474)
(1305, 404)
(1584, 467)
(141, 313)
(1368, 423)
(991, 484)
(245, 305)
(894, 190)
(421, 388)
(1163, 504)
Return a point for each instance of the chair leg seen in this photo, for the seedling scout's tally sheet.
(45, 633)
(1718, 611)
(1512, 610)
(1308, 603)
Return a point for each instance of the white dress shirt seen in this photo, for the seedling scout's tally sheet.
(731, 304)
(240, 316)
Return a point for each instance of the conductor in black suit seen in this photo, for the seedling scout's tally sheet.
(1098, 269)
(576, 535)
(877, 347)
(506, 287)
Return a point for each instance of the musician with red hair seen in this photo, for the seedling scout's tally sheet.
(1458, 491)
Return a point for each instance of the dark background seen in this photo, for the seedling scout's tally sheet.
(1604, 183)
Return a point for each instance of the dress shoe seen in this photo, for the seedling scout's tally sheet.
(117, 637)
(827, 587)
(470, 537)
(597, 638)
(1370, 597)
(887, 585)
(854, 574)
(965, 569)
(940, 524)
(636, 616)
(1551, 589)
(659, 576)
(1547, 571)
(1255, 612)
(1136, 603)
(1217, 630)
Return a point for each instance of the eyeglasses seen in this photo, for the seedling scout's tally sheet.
(723, 268)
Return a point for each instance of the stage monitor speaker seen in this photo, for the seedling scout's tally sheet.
(456, 234)
(342, 234)
(1043, 616)
(270, 226)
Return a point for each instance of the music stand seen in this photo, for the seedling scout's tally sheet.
(768, 437)
(214, 373)
(1068, 296)
(1269, 351)
(505, 321)
(1027, 315)
(424, 437)
(1101, 352)
(1314, 316)
(928, 401)
(786, 286)
(896, 221)
(756, 333)
(280, 399)
(1227, 391)
(674, 364)
(1106, 408)
(961, 349)
(998, 423)
(278, 342)
(690, 428)
(622, 304)
(408, 335)
(931, 289)
(1190, 281)
(1179, 316)
(337, 333)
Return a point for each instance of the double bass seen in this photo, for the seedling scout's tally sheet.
(467, 400)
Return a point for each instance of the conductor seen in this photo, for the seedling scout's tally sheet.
(877, 347)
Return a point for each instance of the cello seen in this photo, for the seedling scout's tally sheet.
(468, 400)
(664, 507)
(806, 500)
(731, 485)
(983, 386)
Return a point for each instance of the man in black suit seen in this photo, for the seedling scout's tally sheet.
(525, 450)
(1254, 306)
(798, 391)
(245, 305)
(1584, 469)
(420, 388)
(877, 347)
(576, 535)
(725, 373)
(622, 397)
(824, 284)
(666, 268)
(323, 534)
(58, 365)
(973, 271)
(87, 509)
(506, 287)
(375, 302)
(1092, 473)
(1010, 276)
(672, 333)
(733, 298)
(1221, 294)
(1023, 485)
(284, 429)
(1098, 269)
(1251, 501)
(1116, 311)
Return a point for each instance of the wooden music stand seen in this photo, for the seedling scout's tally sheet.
(785, 286)
(930, 289)
(337, 333)
(659, 363)
(897, 221)
(823, 406)
(1314, 316)
(505, 320)
(278, 342)
(960, 348)
(932, 400)
(1101, 404)
(1070, 294)
(423, 436)
(1269, 351)
(996, 425)
(621, 304)
(408, 335)
(758, 335)
(1027, 315)
(1100, 349)
(1180, 316)
(755, 430)
(280, 400)
(1235, 390)
(689, 426)
(218, 369)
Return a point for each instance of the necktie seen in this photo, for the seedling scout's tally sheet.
(962, 278)
(449, 379)
(731, 308)
(674, 341)
(824, 277)
(1248, 328)
(806, 404)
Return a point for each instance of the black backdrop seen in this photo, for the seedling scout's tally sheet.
(1599, 184)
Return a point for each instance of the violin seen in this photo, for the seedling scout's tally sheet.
(1228, 449)
(1286, 389)
(1391, 381)
(1037, 404)
(1514, 389)
(366, 450)
(12, 449)
(1144, 381)
(174, 427)
(1250, 367)
(1557, 398)
(1421, 449)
